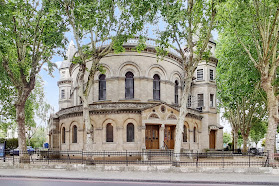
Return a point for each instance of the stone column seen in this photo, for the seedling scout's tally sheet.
(161, 136)
(119, 139)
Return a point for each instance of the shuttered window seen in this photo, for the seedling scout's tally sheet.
(129, 85)
(200, 100)
(156, 87)
(200, 74)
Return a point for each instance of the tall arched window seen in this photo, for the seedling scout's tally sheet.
(109, 133)
(102, 87)
(195, 134)
(176, 92)
(74, 134)
(156, 87)
(129, 85)
(63, 135)
(185, 134)
(130, 132)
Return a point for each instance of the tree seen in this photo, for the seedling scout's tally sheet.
(107, 24)
(227, 138)
(238, 87)
(258, 130)
(188, 28)
(257, 21)
(31, 32)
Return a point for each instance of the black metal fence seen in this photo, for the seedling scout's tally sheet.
(164, 157)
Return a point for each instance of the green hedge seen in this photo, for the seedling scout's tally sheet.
(10, 143)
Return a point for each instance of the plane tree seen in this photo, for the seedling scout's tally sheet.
(100, 28)
(31, 33)
(187, 26)
(257, 22)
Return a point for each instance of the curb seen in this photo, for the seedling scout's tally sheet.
(139, 180)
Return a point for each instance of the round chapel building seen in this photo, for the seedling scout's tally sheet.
(135, 104)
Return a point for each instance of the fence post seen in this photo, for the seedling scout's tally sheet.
(197, 159)
(13, 158)
(104, 157)
(82, 156)
(47, 156)
(126, 158)
(249, 158)
(267, 160)
(223, 159)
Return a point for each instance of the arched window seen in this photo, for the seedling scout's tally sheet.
(129, 85)
(109, 133)
(176, 92)
(130, 132)
(102, 87)
(63, 135)
(156, 87)
(74, 134)
(185, 134)
(195, 135)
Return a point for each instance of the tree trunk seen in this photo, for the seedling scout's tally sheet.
(88, 126)
(272, 108)
(182, 114)
(20, 117)
(245, 142)
(235, 140)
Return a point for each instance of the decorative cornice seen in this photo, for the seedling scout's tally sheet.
(118, 108)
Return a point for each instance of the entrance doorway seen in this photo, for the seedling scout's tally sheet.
(152, 137)
(212, 139)
(169, 135)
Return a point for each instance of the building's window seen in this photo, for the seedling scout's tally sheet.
(62, 94)
(185, 134)
(211, 75)
(176, 92)
(102, 87)
(80, 100)
(195, 135)
(200, 74)
(129, 85)
(156, 87)
(130, 132)
(200, 100)
(109, 133)
(74, 134)
(211, 100)
(189, 102)
(63, 135)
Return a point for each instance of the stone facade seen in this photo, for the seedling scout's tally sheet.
(153, 119)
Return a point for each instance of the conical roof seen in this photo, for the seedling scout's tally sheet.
(70, 53)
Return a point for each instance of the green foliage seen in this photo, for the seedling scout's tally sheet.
(258, 130)
(39, 138)
(227, 138)
(10, 143)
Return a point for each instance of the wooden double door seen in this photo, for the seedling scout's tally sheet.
(152, 137)
(169, 135)
(212, 139)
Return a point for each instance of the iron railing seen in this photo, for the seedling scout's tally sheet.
(146, 157)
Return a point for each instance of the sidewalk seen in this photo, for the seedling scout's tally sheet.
(149, 176)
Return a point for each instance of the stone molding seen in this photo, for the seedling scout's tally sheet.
(118, 108)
